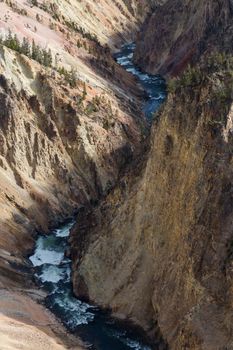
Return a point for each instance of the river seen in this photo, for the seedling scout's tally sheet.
(153, 85)
(53, 269)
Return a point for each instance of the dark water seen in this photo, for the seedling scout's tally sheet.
(154, 85)
(53, 269)
(93, 326)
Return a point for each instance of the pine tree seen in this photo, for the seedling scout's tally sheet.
(84, 91)
(79, 44)
(34, 50)
(73, 80)
(50, 58)
(16, 43)
(47, 58)
(9, 39)
(56, 60)
(37, 53)
(25, 47)
(12, 41)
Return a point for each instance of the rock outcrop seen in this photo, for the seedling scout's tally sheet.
(180, 32)
(159, 249)
(57, 153)
(67, 129)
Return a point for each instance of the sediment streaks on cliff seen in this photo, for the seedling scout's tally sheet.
(180, 32)
(159, 248)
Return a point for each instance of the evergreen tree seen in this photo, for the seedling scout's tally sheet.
(47, 58)
(37, 53)
(84, 91)
(16, 43)
(79, 44)
(12, 41)
(25, 47)
(73, 79)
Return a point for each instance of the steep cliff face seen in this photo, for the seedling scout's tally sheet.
(55, 155)
(179, 32)
(110, 21)
(67, 128)
(56, 152)
(159, 249)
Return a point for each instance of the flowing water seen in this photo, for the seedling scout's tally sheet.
(93, 326)
(53, 268)
(153, 85)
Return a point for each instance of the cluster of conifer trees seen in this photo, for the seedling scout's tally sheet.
(34, 51)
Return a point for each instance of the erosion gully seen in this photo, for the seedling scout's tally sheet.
(53, 269)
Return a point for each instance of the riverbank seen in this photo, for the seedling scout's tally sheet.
(25, 324)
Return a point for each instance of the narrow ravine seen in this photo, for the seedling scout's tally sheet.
(53, 268)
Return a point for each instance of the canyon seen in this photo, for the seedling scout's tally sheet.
(158, 250)
(153, 236)
(66, 133)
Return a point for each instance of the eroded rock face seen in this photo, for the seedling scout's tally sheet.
(179, 32)
(63, 143)
(56, 155)
(159, 249)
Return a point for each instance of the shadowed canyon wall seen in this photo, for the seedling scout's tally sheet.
(180, 32)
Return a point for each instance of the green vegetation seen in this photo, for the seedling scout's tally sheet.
(33, 51)
(94, 105)
(213, 78)
(14, 6)
(215, 64)
(84, 94)
(73, 26)
(190, 78)
(40, 55)
(33, 2)
(69, 76)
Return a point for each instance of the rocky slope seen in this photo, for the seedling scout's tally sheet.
(188, 29)
(159, 248)
(68, 126)
(110, 21)
(57, 152)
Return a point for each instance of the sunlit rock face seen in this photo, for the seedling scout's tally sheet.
(158, 250)
(67, 127)
(66, 130)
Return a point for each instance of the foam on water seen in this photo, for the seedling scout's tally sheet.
(53, 268)
(74, 311)
(45, 255)
(154, 85)
(133, 344)
(64, 231)
(51, 273)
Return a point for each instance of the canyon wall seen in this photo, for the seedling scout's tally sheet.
(180, 32)
(159, 249)
(56, 153)
(68, 125)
